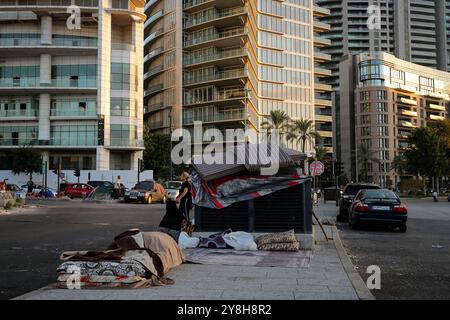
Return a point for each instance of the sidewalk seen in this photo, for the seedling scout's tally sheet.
(330, 276)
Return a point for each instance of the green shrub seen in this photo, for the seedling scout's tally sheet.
(8, 205)
(19, 201)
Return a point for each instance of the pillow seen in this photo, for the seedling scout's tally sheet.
(215, 241)
(280, 246)
(280, 237)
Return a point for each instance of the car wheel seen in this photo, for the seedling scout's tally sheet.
(403, 228)
(149, 200)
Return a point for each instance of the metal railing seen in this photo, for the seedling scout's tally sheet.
(228, 74)
(18, 113)
(48, 3)
(214, 15)
(55, 83)
(132, 143)
(215, 56)
(224, 34)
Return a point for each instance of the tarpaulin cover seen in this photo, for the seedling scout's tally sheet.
(223, 192)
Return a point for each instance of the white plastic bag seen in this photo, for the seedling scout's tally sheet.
(241, 241)
(186, 242)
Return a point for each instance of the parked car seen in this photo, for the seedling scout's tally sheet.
(76, 190)
(16, 191)
(49, 193)
(107, 185)
(348, 195)
(448, 197)
(378, 207)
(173, 189)
(36, 188)
(146, 192)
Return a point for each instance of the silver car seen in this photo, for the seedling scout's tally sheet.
(173, 189)
(16, 191)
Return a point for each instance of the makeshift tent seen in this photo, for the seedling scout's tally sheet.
(235, 195)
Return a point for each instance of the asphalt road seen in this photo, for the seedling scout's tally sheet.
(414, 265)
(31, 241)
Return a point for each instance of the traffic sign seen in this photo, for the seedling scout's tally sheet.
(317, 168)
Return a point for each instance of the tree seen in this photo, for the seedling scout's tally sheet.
(400, 164)
(25, 159)
(302, 131)
(279, 121)
(322, 154)
(366, 156)
(428, 153)
(157, 156)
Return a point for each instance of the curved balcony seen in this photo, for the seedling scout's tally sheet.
(190, 6)
(221, 18)
(216, 116)
(223, 78)
(153, 36)
(321, 72)
(150, 4)
(321, 42)
(153, 54)
(228, 38)
(323, 103)
(225, 97)
(153, 72)
(222, 58)
(154, 107)
(154, 18)
(153, 90)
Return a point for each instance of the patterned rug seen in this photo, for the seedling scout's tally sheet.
(231, 257)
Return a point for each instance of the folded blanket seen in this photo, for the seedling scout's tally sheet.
(280, 246)
(280, 237)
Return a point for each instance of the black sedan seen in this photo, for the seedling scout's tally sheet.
(381, 207)
(348, 195)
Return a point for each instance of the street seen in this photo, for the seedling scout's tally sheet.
(31, 242)
(414, 265)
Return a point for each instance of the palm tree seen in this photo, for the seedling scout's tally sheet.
(278, 121)
(365, 156)
(302, 131)
(321, 154)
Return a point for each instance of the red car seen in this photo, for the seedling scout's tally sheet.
(76, 190)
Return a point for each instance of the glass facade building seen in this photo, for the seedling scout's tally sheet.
(229, 63)
(74, 93)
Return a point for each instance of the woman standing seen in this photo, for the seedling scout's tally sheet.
(185, 197)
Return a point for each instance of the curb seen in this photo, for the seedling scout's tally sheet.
(357, 282)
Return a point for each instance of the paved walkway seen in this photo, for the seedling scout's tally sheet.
(328, 277)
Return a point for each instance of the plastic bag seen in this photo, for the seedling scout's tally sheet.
(241, 241)
(186, 242)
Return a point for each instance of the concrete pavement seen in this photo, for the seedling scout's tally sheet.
(326, 278)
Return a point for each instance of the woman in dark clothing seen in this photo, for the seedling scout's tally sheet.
(185, 197)
(173, 218)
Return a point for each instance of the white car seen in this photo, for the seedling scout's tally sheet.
(16, 191)
(173, 189)
(38, 189)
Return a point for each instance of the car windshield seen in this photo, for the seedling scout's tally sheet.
(353, 190)
(379, 194)
(146, 185)
(173, 185)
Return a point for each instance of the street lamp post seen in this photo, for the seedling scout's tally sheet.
(170, 138)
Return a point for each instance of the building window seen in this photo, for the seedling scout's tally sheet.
(120, 76)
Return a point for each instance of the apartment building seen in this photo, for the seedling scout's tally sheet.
(385, 98)
(228, 63)
(71, 83)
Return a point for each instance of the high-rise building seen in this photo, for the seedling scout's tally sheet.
(412, 30)
(71, 83)
(382, 99)
(228, 63)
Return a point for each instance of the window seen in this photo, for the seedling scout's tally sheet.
(120, 76)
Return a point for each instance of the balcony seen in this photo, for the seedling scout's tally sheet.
(325, 134)
(153, 90)
(223, 76)
(408, 113)
(9, 115)
(321, 72)
(125, 144)
(219, 58)
(45, 5)
(436, 118)
(320, 87)
(321, 27)
(216, 116)
(410, 102)
(153, 36)
(321, 57)
(153, 54)
(321, 42)
(9, 142)
(436, 107)
(150, 4)
(324, 118)
(191, 6)
(152, 19)
(221, 18)
(32, 85)
(228, 38)
(153, 72)
(156, 125)
(225, 97)
(323, 103)
(154, 107)
(406, 124)
(321, 12)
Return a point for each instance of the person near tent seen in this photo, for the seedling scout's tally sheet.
(185, 196)
(117, 188)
